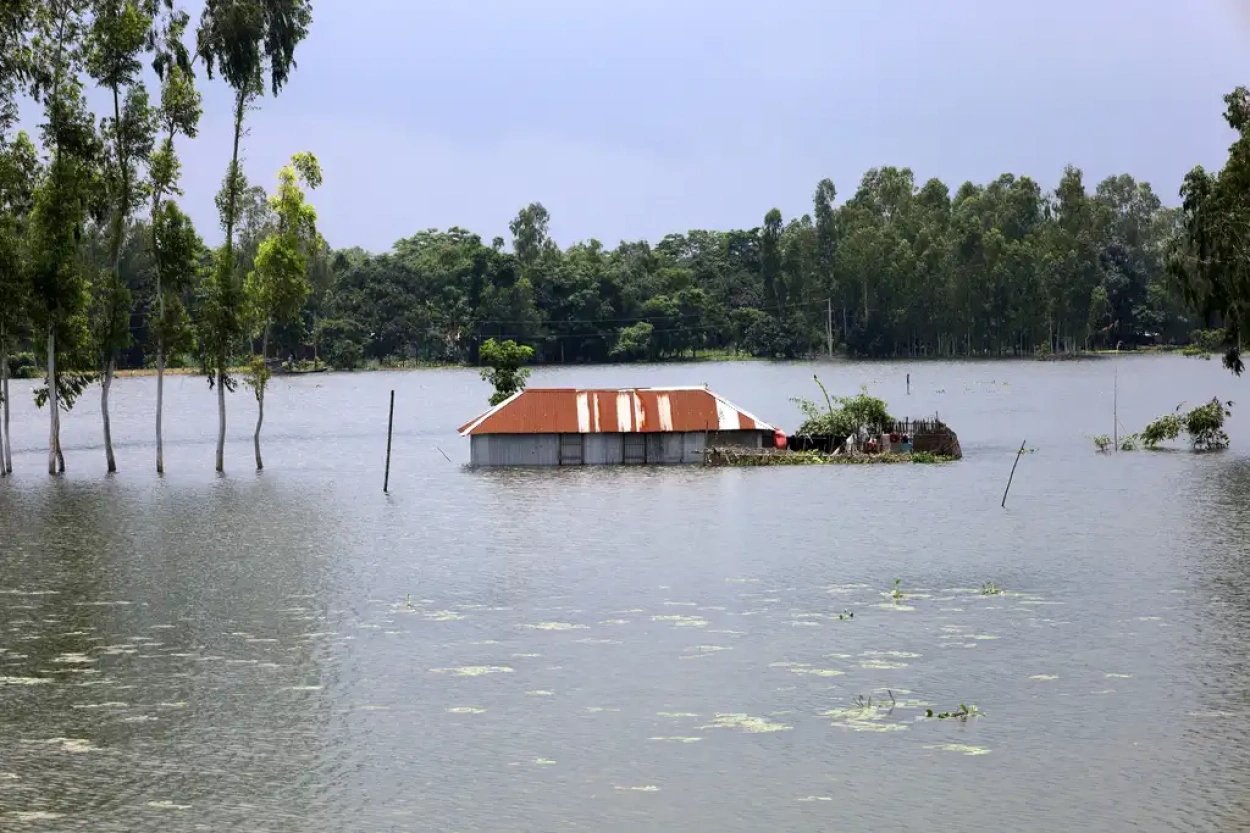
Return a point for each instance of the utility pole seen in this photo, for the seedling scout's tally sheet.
(829, 325)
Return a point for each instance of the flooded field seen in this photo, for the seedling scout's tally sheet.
(704, 650)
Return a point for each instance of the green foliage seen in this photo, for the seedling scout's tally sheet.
(753, 458)
(850, 414)
(1166, 427)
(925, 457)
(341, 343)
(635, 342)
(219, 323)
(1103, 443)
(901, 268)
(1207, 341)
(177, 252)
(1204, 425)
(23, 366)
(1209, 255)
(278, 285)
(990, 589)
(897, 592)
(247, 39)
(505, 367)
(1130, 442)
(258, 375)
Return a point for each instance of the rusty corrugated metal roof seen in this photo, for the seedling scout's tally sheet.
(624, 410)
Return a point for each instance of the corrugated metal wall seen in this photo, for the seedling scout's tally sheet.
(738, 439)
(603, 449)
(515, 450)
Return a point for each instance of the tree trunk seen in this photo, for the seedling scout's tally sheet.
(221, 421)
(107, 385)
(260, 420)
(160, 400)
(53, 421)
(260, 397)
(160, 355)
(240, 109)
(119, 230)
(6, 451)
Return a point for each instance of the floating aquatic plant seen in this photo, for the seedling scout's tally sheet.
(746, 723)
(962, 713)
(897, 593)
(960, 748)
(990, 589)
(473, 670)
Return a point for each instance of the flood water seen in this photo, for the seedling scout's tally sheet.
(628, 649)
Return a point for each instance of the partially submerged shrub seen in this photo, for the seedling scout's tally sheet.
(1204, 425)
(850, 414)
(1102, 442)
(961, 713)
(1166, 427)
(1205, 342)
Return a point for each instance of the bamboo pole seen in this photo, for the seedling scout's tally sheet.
(1013, 473)
(1115, 409)
(390, 425)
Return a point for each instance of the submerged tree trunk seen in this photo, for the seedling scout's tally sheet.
(260, 420)
(119, 230)
(260, 397)
(105, 386)
(54, 432)
(6, 444)
(221, 421)
(160, 353)
(232, 198)
(160, 400)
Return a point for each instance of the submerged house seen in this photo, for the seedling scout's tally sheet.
(627, 426)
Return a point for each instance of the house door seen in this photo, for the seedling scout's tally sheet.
(571, 449)
(634, 450)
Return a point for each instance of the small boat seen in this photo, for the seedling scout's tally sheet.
(278, 367)
(283, 371)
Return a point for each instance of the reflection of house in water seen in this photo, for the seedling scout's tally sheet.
(571, 427)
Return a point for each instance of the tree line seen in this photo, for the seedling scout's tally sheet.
(101, 269)
(898, 269)
(92, 237)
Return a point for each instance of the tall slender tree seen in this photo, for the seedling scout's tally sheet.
(278, 286)
(59, 289)
(244, 40)
(1211, 254)
(118, 35)
(19, 172)
(175, 245)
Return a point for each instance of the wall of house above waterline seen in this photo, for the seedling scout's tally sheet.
(606, 449)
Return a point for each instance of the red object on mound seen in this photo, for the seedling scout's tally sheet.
(779, 438)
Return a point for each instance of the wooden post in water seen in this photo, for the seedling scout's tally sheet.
(1013, 473)
(1115, 409)
(909, 384)
(390, 425)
